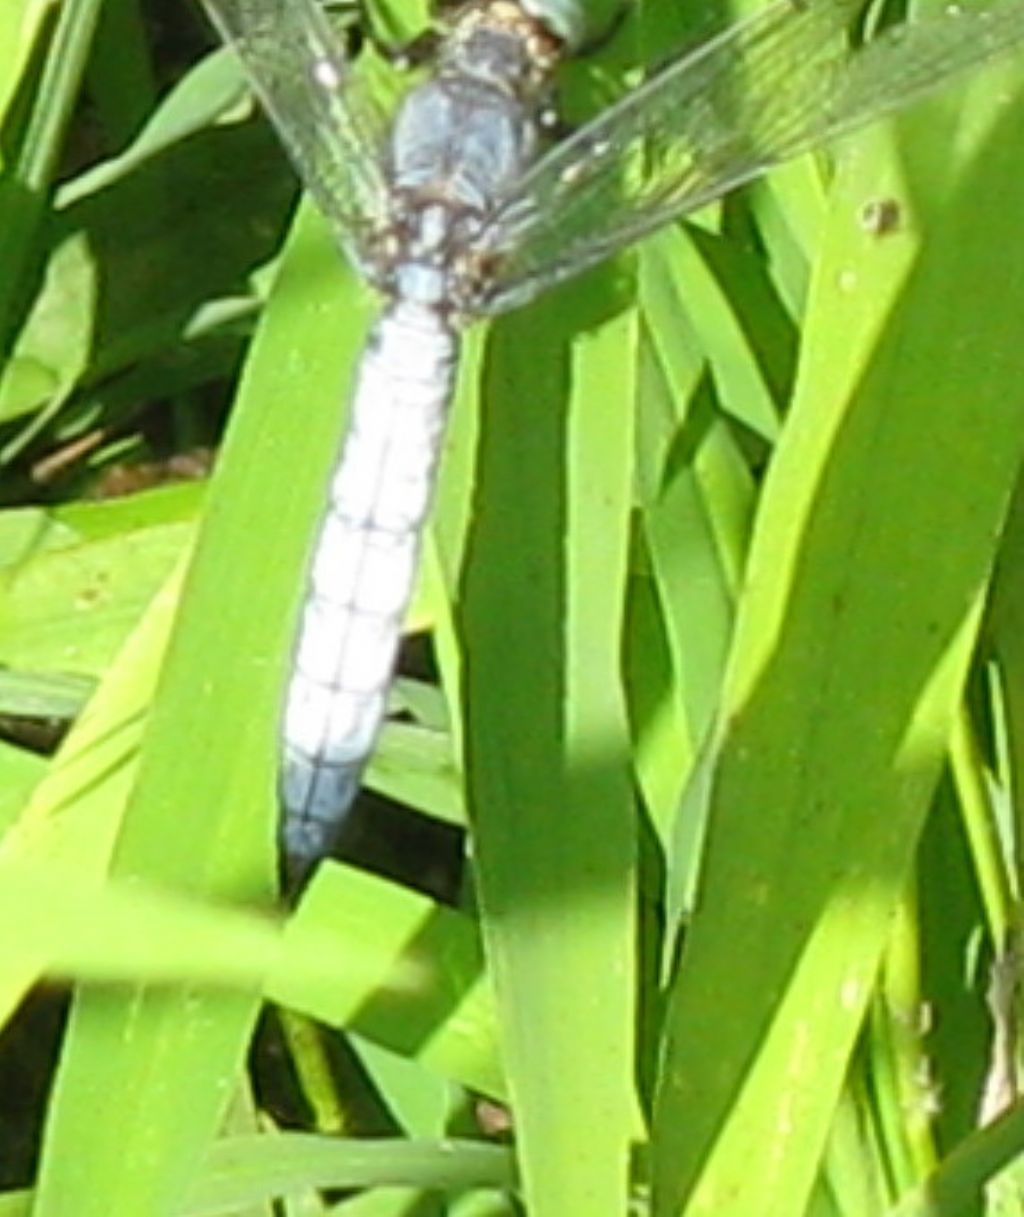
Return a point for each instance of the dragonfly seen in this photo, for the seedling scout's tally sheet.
(455, 210)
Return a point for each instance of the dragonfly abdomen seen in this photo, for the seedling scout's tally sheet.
(362, 573)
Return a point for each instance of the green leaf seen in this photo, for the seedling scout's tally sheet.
(872, 548)
(166, 1060)
(242, 1170)
(77, 581)
(445, 1020)
(547, 749)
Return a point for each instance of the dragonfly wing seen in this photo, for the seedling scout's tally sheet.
(331, 128)
(766, 89)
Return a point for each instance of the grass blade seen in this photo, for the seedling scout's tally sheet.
(871, 553)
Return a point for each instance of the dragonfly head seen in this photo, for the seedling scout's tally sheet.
(500, 44)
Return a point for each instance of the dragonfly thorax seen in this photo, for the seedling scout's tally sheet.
(458, 143)
(422, 255)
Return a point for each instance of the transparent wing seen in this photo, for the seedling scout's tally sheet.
(764, 90)
(328, 123)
